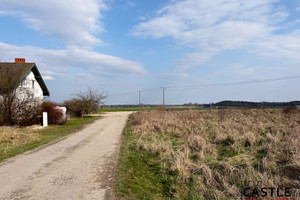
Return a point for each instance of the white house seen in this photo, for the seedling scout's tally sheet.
(30, 83)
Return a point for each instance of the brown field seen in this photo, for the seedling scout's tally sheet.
(212, 151)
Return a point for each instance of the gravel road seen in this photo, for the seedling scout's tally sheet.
(79, 166)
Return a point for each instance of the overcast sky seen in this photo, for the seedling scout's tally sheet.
(188, 46)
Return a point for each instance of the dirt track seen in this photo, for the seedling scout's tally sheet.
(81, 166)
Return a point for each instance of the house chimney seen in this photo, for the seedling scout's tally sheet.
(19, 60)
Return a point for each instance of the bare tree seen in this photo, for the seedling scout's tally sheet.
(15, 108)
(8, 86)
(87, 101)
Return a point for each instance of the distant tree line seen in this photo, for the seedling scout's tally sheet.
(248, 104)
(221, 104)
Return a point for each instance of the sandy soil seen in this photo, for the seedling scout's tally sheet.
(79, 166)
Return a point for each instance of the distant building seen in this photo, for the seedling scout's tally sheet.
(27, 77)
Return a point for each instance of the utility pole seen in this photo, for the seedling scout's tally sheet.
(139, 98)
(163, 89)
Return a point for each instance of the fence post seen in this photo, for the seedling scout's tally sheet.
(45, 119)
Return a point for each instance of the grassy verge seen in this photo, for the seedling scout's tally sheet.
(142, 175)
(205, 154)
(14, 141)
(139, 172)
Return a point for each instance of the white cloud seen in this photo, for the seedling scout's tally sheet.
(131, 4)
(149, 52)
(59, 61)
(141, 18)
(73, 22)
(48, 78)
(193, 15)
(211, 27)
(237, 72)
(284, 47)
(190, 60)
(298, 8)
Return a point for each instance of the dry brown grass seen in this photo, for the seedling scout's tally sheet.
(15, 136)
(11, 137)
(214, 150)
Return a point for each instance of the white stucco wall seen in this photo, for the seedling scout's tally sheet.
(30, 88)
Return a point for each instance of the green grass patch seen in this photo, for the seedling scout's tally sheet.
(139, 173)
(46, 135)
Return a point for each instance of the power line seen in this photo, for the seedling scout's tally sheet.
(149, 90)
(203, 86)
(122, 94)
(134, 92)
(233, 83)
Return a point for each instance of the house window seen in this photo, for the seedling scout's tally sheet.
(32, 84)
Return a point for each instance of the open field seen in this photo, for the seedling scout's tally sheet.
(205, 154)
(14, 141)
(148, 108)
(122, 109)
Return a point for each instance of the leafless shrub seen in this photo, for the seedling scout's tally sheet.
(26, 112)
(85, 102)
